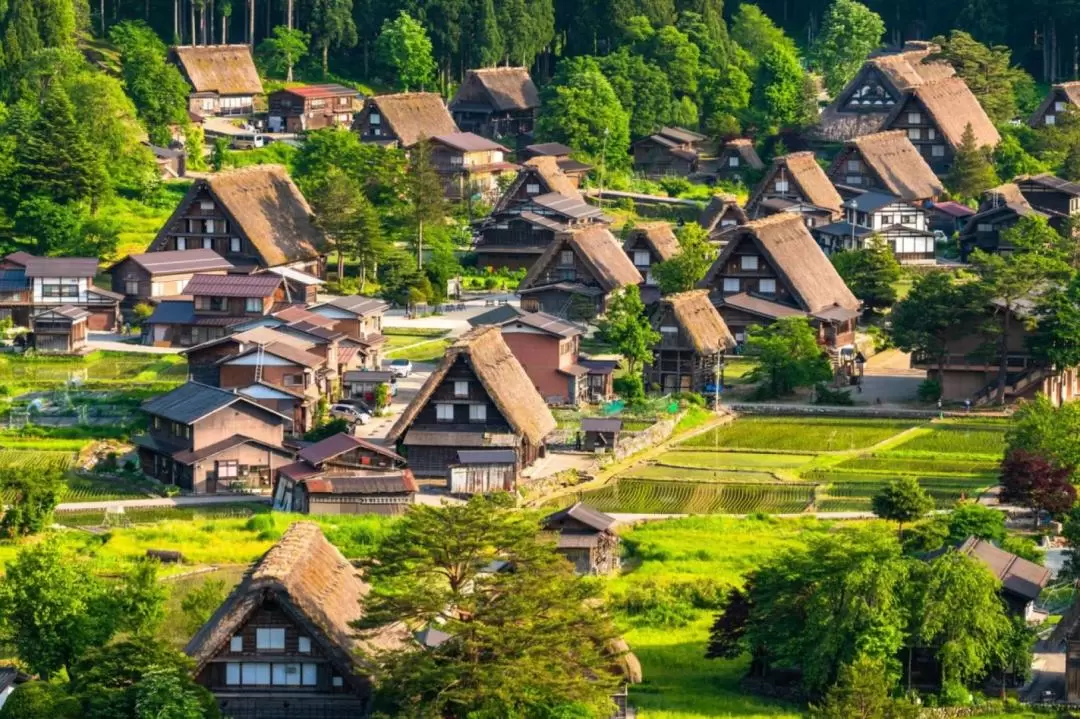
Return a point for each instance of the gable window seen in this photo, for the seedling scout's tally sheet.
(767, 287)
(854, 179)
(938, 151)
(269, 637)
(444, 412)
(566, 257)
(375, 118)
(206, 205)
(781, 185)
(208, 243)
(255, 673)
(1059, 107)
(854, 165)
(733, 161)
(181, 243)
(310, 674)
(461, 388)
(234, 244)
(748, 262)
(236, 644)
(914, 118)
(477, 412)
(304, 643)
(727, 223)
(914, 133)
(157, 422)
(253, 304)
(985, 227)
(931, 134)
(731, 284)
(907, 219)
(208, 227)
(131, 287)
(338, 681)
(641, 258)
(1050, 120)
(532, 188)
(669, 330)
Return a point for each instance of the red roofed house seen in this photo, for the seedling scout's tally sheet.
(469, 164)
(312, 107)
(343, 474)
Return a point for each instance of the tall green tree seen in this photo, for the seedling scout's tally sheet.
(626, 327)
(683, 271)
(283, 49)
(779, 98)
(40, 700)
(863, 690)
(679, 59)
(788, 357)
(902, 501)
(404, 48)
(340, 211)
(33, 494)
(526, 28)
(488, 44)
(849, 33)
(870, 273)
(642, 88)
(332, 25)
(426, 195)
(156, 87)
(971, 172)
(1056, 337)
(1047, 431)
(987, 71)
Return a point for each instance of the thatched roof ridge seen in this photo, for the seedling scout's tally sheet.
(224, 69)
(802, 171)
(269, 209)
(557, 180)
(508, 88)
(503, 378)
(316, 586)
(415, 115)
(716, 208)
(598, 249)
(657, 235)
(953, 106)
(745, 149)
(699, 319)
(897, 164)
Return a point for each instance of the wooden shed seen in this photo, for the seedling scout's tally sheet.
(479, 471)
(586, 538)
(601, 433)
(61, 330)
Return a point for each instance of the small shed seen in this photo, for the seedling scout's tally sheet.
(479, 471)
(362, 384)
(601, 433)
(61, 330)
(586, 538)
(171, 162)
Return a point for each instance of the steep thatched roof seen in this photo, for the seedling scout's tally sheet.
(953, 106)
(598, 249)
(796, 257)
(1071, 92)
(699, 319)
(744, 149)
(415, 115)
(224, 69)
(557, 180)
(503, 378)
(717, 207)
(896, 163)
(805, 177)
(505, 88)
(657, 235)
(269, 210)
(313, 584)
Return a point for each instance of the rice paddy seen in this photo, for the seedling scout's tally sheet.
(802, 434)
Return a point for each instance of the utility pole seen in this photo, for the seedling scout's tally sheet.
(603, 165)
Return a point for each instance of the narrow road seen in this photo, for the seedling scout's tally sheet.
(203, 501)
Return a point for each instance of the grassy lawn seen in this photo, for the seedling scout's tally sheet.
(736, 369)
(802, 434)
(140, 222)
(422, 351)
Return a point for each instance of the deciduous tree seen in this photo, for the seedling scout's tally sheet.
(788, 357)
(683, 271)
(849, 33)
(1037, 483)
(404, 48)
(283, 49)
(626, 326)
(986, 71)
(870, 272)
(902, 501)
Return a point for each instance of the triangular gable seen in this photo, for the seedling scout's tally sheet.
(870, 75)
(738, 238)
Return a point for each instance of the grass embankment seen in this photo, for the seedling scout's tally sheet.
(140, 221)
(416, 344)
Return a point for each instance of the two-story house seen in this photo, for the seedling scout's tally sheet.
(469, 164)
(886, 162)
(283, 645)
(796, 184)
(311, 107)
(60, 330)
(669, 151)
(1000, 209)
(720, 215)
(255, 217)
(223, 78)
(647, 245)
(935, 115)
(206, 440)
(216, 303)
(773, 268)
(1061, 97)
(901, 225)
(360, 318)
(693, 340)
(31, 285)
(1053, 195)
(549, 350)
(343, 474)
(496, 102)
(737, 161)
(403, 119)
(152, 276)
(559, 152)
(577, 274)
(478, 397)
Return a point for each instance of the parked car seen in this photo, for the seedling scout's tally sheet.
(350, 413)
(401, 367)
(248, 141)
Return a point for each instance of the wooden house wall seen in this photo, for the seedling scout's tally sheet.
(750, 279)
(239, 418)
(189, 221)
(482, 478)
(924, 134)
(1059, 96)
(444, 394)
(1047, 199)
(575, 271)
(257, 468)
(657, 160)
(388, 505)
(562, 303)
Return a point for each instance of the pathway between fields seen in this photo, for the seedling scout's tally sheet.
(624, 518)
(434, 499)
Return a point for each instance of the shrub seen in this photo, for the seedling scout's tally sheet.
(675, 186)
(142, 312)
(929, 390)
(823, 394)
(631, 389)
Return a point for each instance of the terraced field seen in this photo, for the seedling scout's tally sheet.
(801, 434)
(642, 496)
(76, 488)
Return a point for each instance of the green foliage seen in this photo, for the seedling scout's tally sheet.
(1011, 159)
(849, 33)
(863, 690)
(40, 700)
(925, 320)
(404, 49)
(987, 71)
(825, 395)
(156, 87)
(201, 602)
(902, 501)
(283, 49)
(427, 206)
(971, 519)
(631, 388)
(788, 357)
(1056, 339)
(627, 328)
(142, 312)
(683, 271)
(327, 429)
(140, 600)
(34, 492)
(929, 390)
(642, 88)
(870, 273)
(332, 25)
(218, 154)
(971, 172)
(348, 218)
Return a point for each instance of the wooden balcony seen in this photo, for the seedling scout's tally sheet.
(1015, 362)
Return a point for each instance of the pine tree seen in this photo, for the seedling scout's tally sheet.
(971, 173)
(21, 39)
(488, 41)
(425, 193)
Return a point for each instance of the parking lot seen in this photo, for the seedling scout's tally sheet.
(378, 427)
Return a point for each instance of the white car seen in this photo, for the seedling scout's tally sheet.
(349, 413)
(401, 367)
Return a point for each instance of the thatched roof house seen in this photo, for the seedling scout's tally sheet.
(404, 118)
(537, 176)
(721, 214)
(796, 176)
(499, 89)
(737, 158)
(1061, 96)
(655, 236)
(952, 107)
(698, 318)
(223, 78)
(693, 335)
(479, 396)
(886, 161)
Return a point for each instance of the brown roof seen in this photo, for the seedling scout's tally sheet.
(1071, 90)
(953, 106)
(468, 142)
(262, 285)
(897, 164)
(285, 351)
(796, 257)
(269, 209)
(557, 180)
(180, 261)
(598, 249)
(801, 170)
(339, 444)
(60, 266)
(699, 319)
(510, 88)
(657, 235)
(745, 149)
(1017, 575)
(315, 586)
(415, 115)
(364, 482)
(502, 377)
(716, 208)
(910, 69)
(297, 313)
(1005, 194)
(761, 306)
(224, 69)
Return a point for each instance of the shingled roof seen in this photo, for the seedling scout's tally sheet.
(897, 164)
(953, 106)
(224, 69)
(698, 317)
(657, 235)
(803, 172)
(192, 401)
(502, 377)
(796, 257)
(316, 587)
(507, 88)
(598, 249)
(180, 261)
(339, 444)
(415, 115)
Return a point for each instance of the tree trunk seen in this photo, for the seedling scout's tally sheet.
(194, 35)
(325, 58)
(1003, 364)
(210, 23)
(176, 21)
(290, 6)
(420, 245)
(288, 74)
(202, 23)
(224, 30)
(340, 263)
(251, 22)
(102, 18)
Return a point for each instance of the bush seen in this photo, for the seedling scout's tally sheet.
(929, 390)
(675, 186)
(631, 389)
(823, 394)
(142, 312)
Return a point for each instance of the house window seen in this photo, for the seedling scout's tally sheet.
(157, 422)
(236, 644)
(208, 243)
(1050, 120)
(931, 134)
(641, 258)
(853, 179)
(206, 205)
(375, 118)
(566, 257)
(886, 220)
(1059, 107)
(253, 304)
(532, 188)
(853, 166)
(286, 675)
(477, 412)
(208, 104)
(310, 675)
(740, 337)
(781, 185)
(669, 330)
(461, 388)
(907, 219)
(208, 226)
(232, 673)
(304, 644)
(157, 289)
(733, 161)
(731, 284)
(748, 262)
(293, 380)
(255, 673)
(938, 151)
(338, 681)
(767, 287)
(131, 287)
(230, 469)
(444, 412)
(914, 118)
(268, 637)
(985, 227)
(181, 243)
(727, 223)
(234, 244)
(914, 133)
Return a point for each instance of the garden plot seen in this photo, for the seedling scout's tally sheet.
(851, 491)
(904, 464)
(683, 474)
(802, 434)
(96, 368)
(642, 496)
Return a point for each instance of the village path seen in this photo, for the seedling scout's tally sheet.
(113, 342)
(167, 502)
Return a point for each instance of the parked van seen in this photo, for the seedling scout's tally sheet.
(248, 141)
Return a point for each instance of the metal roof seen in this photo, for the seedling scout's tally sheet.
(190, 456)
(61, 266)
(322, 90)
(551, 149)
(171, 312)
(357, 304)
(177, 261)
(497, 316)
(469, 142)
(573, 207)
(339, 444)
(192, 401)
(13, 280)
(261, 285)
(584, 514)
(487, 456)
(870, 201)
(297, 276)
(70, 311)
(546, 222)
(601, 424)
(359, 375)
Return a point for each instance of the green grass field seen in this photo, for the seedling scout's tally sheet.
(123, 368)
(893, 464)
(645, 496)
(803, 434)
(958, 439)
(708, 460)
(684, 474)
